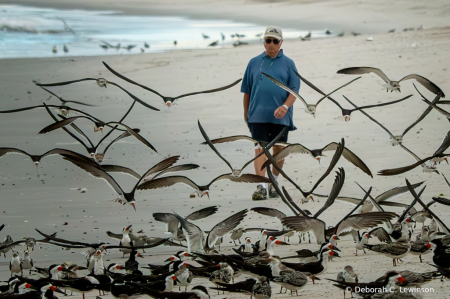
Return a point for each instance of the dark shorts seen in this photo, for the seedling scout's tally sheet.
(266, 132)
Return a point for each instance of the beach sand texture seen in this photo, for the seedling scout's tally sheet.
(46, 202)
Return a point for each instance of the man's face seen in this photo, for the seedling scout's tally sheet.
(271, 48)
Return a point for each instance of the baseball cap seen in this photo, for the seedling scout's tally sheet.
(273, 31)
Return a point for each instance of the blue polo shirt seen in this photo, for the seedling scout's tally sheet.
(266, 96)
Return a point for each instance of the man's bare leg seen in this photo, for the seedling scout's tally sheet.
(258, 163)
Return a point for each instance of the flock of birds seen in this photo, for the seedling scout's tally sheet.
(258, 261)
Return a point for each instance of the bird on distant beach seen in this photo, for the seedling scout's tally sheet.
(169, 100)
(393, 85)
(54, 50)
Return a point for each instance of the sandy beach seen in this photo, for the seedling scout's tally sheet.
(43, 198)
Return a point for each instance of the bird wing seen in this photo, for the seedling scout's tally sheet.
(410, 152)
(202, 213)
(122, 169)
(442, 200)
(295, 94)
(208, 141)
(371, 118)
(444, 144)
(66, 82)
(94, 170)
(438, 220)
(11, 150)
(349, 156)
(363, 221)
(334, 160)
(78, 130)
(295, 148)
(426, 83)
(166, 182)
(394, 192)
(164, 164)
(132, 132)
(210, 90)
(304, 224)
(381, 234)
(28, 108)
(224, 227)
(244, 178)
(383, 104)
(130, 81)
(176, 168)
(316, 89)
(64, 101)
(425, 113)
(114, 236)
(123, 135)
(325, 96)
(337, 186)
(231, 139)
(442, 111)
(271, 212)
(194, 235)
(61, 123)
(169, 219)
(395, 171)
(134, 97)
(364, 70)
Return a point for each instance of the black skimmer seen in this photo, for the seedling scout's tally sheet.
(348, 275)
(195, 238)
(421, 216)
(308, 194)
(257, 287)
(393, 85)
(117, 47)
(313, 268)
(184, 275)
(346, 112)
(440, 256)
(203, 189)
(172, 223)
(121, 290)
(362, 239)
(66, 109)
(169, 100)
(368, 288)
(307, 256)
(15, 265)
(234, 171)
(97, 171)
(101, 82)
(395, 250)
(309, 108)
(286, 277)
(421, 162)
(415, 279)
(223, 275)
(131, 264)
(27, 261)
(297, 148)
(394, 139)
(163, 284)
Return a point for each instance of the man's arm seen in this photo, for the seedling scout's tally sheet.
(246, 104)
(281, 111)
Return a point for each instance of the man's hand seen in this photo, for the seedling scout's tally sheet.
(280, 112)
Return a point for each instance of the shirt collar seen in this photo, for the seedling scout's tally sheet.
(280, 53)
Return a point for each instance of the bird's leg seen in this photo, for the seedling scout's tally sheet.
(356, 254)
(281, 288)
(420, 257)
(234, 241)
(364, 251)
(239, 241)
(393, 262)
(309, 237)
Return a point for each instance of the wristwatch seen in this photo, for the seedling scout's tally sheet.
(285, 107)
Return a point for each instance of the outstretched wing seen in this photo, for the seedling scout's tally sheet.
(364, 70)
(224, 227)
(349, 156)
(202, 213)
(209, 91)
(426, 83)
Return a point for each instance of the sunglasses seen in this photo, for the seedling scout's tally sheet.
(275, 41)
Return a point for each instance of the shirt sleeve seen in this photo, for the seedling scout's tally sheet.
(247, 81)
(294, 80)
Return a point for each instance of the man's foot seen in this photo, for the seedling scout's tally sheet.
(272, 192)
(260, 193)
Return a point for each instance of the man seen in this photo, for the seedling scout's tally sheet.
(267, 107)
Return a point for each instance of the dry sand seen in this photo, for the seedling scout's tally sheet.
(46, 202)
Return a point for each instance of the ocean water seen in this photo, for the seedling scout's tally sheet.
(36, 32)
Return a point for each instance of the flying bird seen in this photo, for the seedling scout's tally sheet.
(393, 85)
(169, 100)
